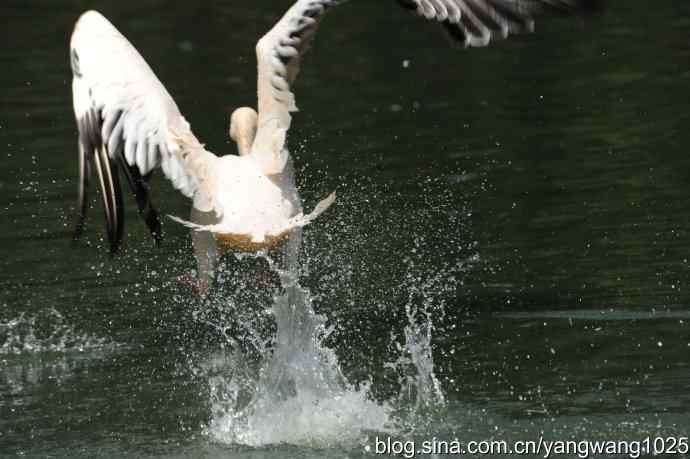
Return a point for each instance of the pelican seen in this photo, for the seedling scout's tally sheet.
(129, 123)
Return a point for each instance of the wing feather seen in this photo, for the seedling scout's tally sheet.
(278, 56)
(127, 122)
(279, 52)
(477, 22)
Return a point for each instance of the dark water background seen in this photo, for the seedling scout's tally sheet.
(537, 190)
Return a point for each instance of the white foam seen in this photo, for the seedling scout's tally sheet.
(306, 419)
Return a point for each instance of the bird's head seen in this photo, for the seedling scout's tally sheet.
(243, 124)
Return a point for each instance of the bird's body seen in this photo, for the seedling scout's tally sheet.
(254, 205)
(128, 122)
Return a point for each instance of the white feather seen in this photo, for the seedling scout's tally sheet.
(111, 77)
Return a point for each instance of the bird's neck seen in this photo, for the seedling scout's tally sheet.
(245, 140)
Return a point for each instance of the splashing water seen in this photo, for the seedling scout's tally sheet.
(422, 382)
(301, 396)
(295, 393)
(424, 307)
(45, 331)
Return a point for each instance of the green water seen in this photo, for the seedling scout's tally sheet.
(531, 196)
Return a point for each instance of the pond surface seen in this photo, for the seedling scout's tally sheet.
(508, 257)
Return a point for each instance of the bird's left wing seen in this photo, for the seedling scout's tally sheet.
(127, 120)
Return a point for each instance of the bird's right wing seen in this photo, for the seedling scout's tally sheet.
(278, 55)
(476, 22)
(279, 52)
(127, 120)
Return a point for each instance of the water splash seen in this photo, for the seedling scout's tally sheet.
(295, 392)
(421, 384)
(301, 396)
(40, 347)
(425, 310)
(45, 331)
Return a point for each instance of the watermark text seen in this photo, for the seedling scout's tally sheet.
(541, 447)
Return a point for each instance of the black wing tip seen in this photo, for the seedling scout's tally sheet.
(115, 249)
(108, 158)
(464, 34)
(138, 184)
(111, 192)
(457, 37)
(116, 230)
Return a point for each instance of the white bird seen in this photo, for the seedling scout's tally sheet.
(127, 121)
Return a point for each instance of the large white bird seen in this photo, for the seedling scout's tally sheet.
(128, 122)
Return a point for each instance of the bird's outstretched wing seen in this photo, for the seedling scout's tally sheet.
(127, 120)
(278, 55)
(476, 22)
(470, 22)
